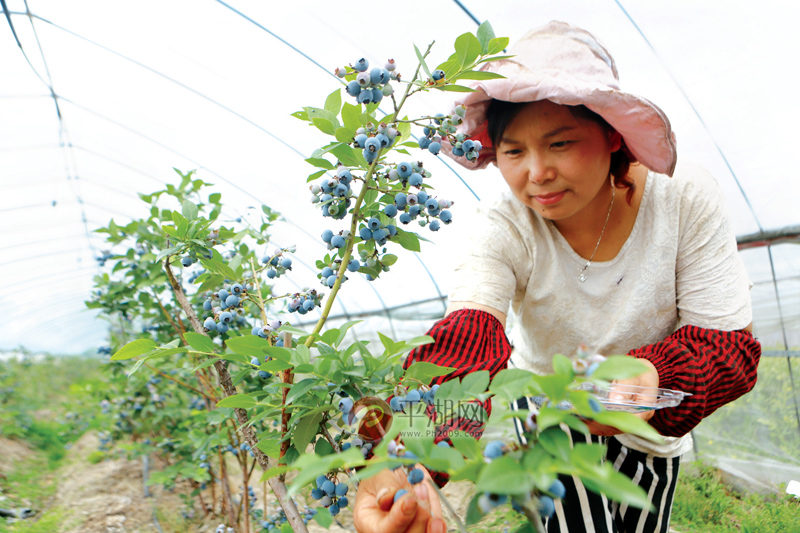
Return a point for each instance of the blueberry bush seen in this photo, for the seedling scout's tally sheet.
(190, 297)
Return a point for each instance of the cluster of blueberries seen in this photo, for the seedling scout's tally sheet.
(278, 263)
(410, 205)
(263, 374)
(372, 139)
(334, 193)
(398, 403)
(105, 256)
(275, 521)
(303, 302)
(228, 309)
(370, 87)
(330, 494)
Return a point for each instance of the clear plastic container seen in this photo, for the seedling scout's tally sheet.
(632, 398)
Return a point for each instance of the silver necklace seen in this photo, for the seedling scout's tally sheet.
(581, 272)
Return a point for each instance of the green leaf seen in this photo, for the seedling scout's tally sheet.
(323, 447)
(315, 112)
(324, 125)
(320, 163)
(485, 34)
(344, 135)
(456, 89)
(474, 513)
(199, 342)
(323, 517)
(189, 210)
(617, 486)
(468, 48)
(619, 367)
(250, 345)
(628, 423)
(243, 401)
(347, 155)
(315, 175)
(300, 388)
(306, 428)
(333, 103)
(563, 366)
(511, 383)
(425, 372)
(407, 240)
(351, 116)
(497, 45)
(504, 476)
(168, 251)
(343, 331)
(218, 267)
(214, 198)
(477, 75)
(468, 446)
(422, 61)
(389, 259)
(476, 383)
(133, 349)
(205, 364)
(550, 416)
(555, 442)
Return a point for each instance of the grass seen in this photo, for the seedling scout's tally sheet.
(704, 505)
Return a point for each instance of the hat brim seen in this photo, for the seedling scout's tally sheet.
(644, 126)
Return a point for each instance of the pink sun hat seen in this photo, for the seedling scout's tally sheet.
(567, 65)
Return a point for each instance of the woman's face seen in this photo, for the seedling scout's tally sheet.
(557, 164)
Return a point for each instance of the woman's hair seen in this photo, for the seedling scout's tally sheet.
(500, 114)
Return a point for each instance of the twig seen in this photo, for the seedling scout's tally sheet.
(452, 511)
(534, 517)
(225, 381)
(179, 382)
(288, 378)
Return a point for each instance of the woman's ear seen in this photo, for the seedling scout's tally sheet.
(615, 140)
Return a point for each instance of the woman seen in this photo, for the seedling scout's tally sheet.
(594, 244)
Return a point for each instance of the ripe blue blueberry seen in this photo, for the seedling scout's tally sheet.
(377, 95)
(383, 139)
(437, 74)
(369, 156)
(207, 305)
(468, 145)
(557, 489)
(434, 148)
(317, 494)
(264, 374)
(327, 272)
(422, 196)
(413, 397)
(399, 494)
(373, 144)
(391, 229)
(445, 216)
(331, 281)
(434, 225)
(271, 273)
(458, 151)
(308, 305)
(494, 449)
(404, 170)
(595, 405)
(341, 490)
(365, 233)
(334, 509)
(361, 140)
(286, 262)
(415, 180)
(404, 218)
(237, 288)
(343, 501)
(223, 294)
(546, 506)
(390, 211)
(255, 361)
(187, 261)
(365, 96)
(415, 476)
(328, 487)
(379, 76)
(396, 404)
(222, 328)
(361, 65)
(353, 88)
(338, 241)
(225, 317)
(423, 142)
(210, 324)
(321, 479)
(379, 235)
(400, 200)
(432, 204)
(232, 300)
(353, 265)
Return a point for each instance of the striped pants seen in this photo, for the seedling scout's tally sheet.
(582, 510)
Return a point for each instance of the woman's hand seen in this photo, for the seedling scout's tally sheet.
(419, 511)
(648, 379)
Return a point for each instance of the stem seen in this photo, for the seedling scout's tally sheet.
(324, 426)
(225, 381)
(533, 517)
(288, 378)
(166, 314)
(179, 382)
(452, 511)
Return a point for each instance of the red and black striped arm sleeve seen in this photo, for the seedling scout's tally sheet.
(468, 340)
(715, 366)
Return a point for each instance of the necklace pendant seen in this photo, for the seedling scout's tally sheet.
(582, 277)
